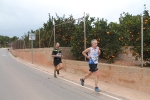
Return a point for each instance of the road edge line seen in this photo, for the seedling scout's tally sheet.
(31, 65)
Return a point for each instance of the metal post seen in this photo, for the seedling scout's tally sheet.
(15, 45)
(29, 44)
(32, 50)
(19, 44)
(24, 44)
(142, 40)
(49, 17)
(84, 34)
(54, 32)
(24, 41)
(39, 38)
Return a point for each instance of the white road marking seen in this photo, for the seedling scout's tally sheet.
(31, 65)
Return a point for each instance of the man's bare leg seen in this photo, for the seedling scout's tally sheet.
(96, 78)
(55, 69)
(85, 77)
(60, 66)
(96, 81)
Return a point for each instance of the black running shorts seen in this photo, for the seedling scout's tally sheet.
(93, 67)
(57, 62)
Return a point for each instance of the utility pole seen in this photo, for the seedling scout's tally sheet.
(54, 31)
(17, 44)
(142, 36)
(24, 45)
(84, 34)
(20, 43)
(142, 40)
(49, 17)
(39, 38)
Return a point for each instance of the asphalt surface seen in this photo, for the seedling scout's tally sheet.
(22, 82)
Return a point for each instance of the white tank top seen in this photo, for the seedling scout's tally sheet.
(94, 55)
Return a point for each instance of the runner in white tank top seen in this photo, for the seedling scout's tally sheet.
(93, 54)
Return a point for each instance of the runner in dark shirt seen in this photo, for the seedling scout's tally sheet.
(57, 55)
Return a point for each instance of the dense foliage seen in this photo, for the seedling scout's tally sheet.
(5, 41)
(111, 36)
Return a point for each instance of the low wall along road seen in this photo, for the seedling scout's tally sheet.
(131, 77)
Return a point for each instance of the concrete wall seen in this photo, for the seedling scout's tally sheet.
(131, 77)
(126, 57)
(41, 55)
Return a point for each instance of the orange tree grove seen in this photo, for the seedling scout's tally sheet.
(130, 33)
(110, 36)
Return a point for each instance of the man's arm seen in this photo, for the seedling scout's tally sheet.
(86, 51)
(99, 52)
(53, 54)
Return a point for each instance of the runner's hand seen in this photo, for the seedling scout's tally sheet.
(58, 55)
(88, 57)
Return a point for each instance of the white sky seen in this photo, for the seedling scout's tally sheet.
(20, 16)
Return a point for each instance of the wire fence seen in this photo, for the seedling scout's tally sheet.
(19, 44)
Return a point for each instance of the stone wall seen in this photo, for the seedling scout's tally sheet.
(131, 77)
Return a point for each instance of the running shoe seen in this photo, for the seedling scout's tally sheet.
(57, 72)
(97, 89)
(82, 82)
(55, 76)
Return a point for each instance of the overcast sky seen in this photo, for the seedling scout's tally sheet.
(19, 16)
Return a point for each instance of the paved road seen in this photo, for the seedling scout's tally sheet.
(21, 82)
